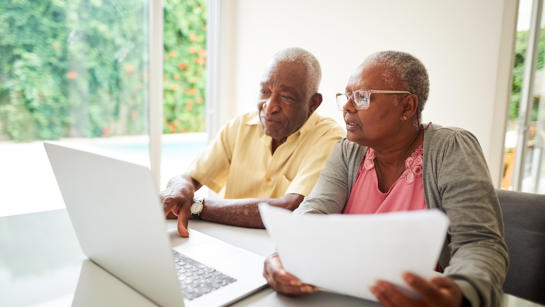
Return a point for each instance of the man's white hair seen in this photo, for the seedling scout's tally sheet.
(307, 59)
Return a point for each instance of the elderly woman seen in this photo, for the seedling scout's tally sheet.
(390, 162)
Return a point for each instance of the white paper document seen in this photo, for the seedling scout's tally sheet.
(349, 253)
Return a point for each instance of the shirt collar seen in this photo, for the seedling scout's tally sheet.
(253, 120)
(309, 124)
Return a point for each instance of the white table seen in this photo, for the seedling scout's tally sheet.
(41, 265)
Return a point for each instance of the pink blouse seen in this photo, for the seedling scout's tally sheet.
(406, 194)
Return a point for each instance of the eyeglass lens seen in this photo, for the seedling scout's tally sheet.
(360, 99)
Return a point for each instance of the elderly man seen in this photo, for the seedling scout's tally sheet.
(274, 155)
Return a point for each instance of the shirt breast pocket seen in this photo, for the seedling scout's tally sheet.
(282, 184)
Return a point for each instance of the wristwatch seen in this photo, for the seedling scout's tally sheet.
(197, 207)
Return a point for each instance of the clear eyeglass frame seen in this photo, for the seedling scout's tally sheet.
(361, 98)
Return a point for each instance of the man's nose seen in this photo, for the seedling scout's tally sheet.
(271, 105)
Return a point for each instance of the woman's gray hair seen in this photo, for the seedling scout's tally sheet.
(406, 68)
(307, 59)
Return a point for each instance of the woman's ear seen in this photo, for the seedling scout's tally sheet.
(410, 105)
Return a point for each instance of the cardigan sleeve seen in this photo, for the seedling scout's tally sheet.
(476, 257)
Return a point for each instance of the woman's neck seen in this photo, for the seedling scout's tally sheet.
(397, 153)
(390, 162)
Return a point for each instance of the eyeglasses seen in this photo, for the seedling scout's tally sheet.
(361, 98)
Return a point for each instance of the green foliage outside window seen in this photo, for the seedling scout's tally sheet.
(78, 68)
(184, 65)
(518, 72)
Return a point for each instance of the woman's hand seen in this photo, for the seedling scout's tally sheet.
(282, 281)
(439, 291)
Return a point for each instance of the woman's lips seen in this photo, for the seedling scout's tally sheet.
(351, 125)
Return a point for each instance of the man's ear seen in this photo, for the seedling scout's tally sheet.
(315, 102)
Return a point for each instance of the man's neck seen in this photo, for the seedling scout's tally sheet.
(276, 143)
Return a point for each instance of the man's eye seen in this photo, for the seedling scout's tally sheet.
(288, 98)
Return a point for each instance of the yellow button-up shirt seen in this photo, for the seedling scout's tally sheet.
(240, 158)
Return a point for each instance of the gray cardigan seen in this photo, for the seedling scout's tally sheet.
(456, 180)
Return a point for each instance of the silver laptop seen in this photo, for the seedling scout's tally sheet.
(118, 219)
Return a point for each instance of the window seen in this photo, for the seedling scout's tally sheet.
(184, 95)
(524, 162)
(79, 71)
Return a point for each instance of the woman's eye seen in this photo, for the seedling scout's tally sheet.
(358, 97)
(264, 92)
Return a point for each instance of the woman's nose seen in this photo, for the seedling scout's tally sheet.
(349, 106)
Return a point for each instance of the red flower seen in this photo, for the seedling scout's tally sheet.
(71, 75)
(189, 105)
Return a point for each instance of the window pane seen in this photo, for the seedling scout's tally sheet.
(533, 166)
(71, 71)
(521, 44)
(184, 66)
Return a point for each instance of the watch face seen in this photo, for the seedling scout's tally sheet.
(196, 208)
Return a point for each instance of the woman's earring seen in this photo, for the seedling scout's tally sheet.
(404, 117)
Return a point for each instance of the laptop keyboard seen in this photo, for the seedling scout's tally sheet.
(197, 279)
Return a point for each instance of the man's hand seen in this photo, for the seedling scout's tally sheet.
(439, 291)
(177, 199)
(282, 281)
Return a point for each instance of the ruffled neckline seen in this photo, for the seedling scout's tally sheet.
(413, 164)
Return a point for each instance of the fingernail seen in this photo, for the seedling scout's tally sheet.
(373, 290)
(409, 278)
(295, 283)
(313, 289)
(379, 287)
(306, 289)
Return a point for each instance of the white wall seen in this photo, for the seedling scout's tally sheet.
(465, 44)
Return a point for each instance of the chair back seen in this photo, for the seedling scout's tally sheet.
(524, 227)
